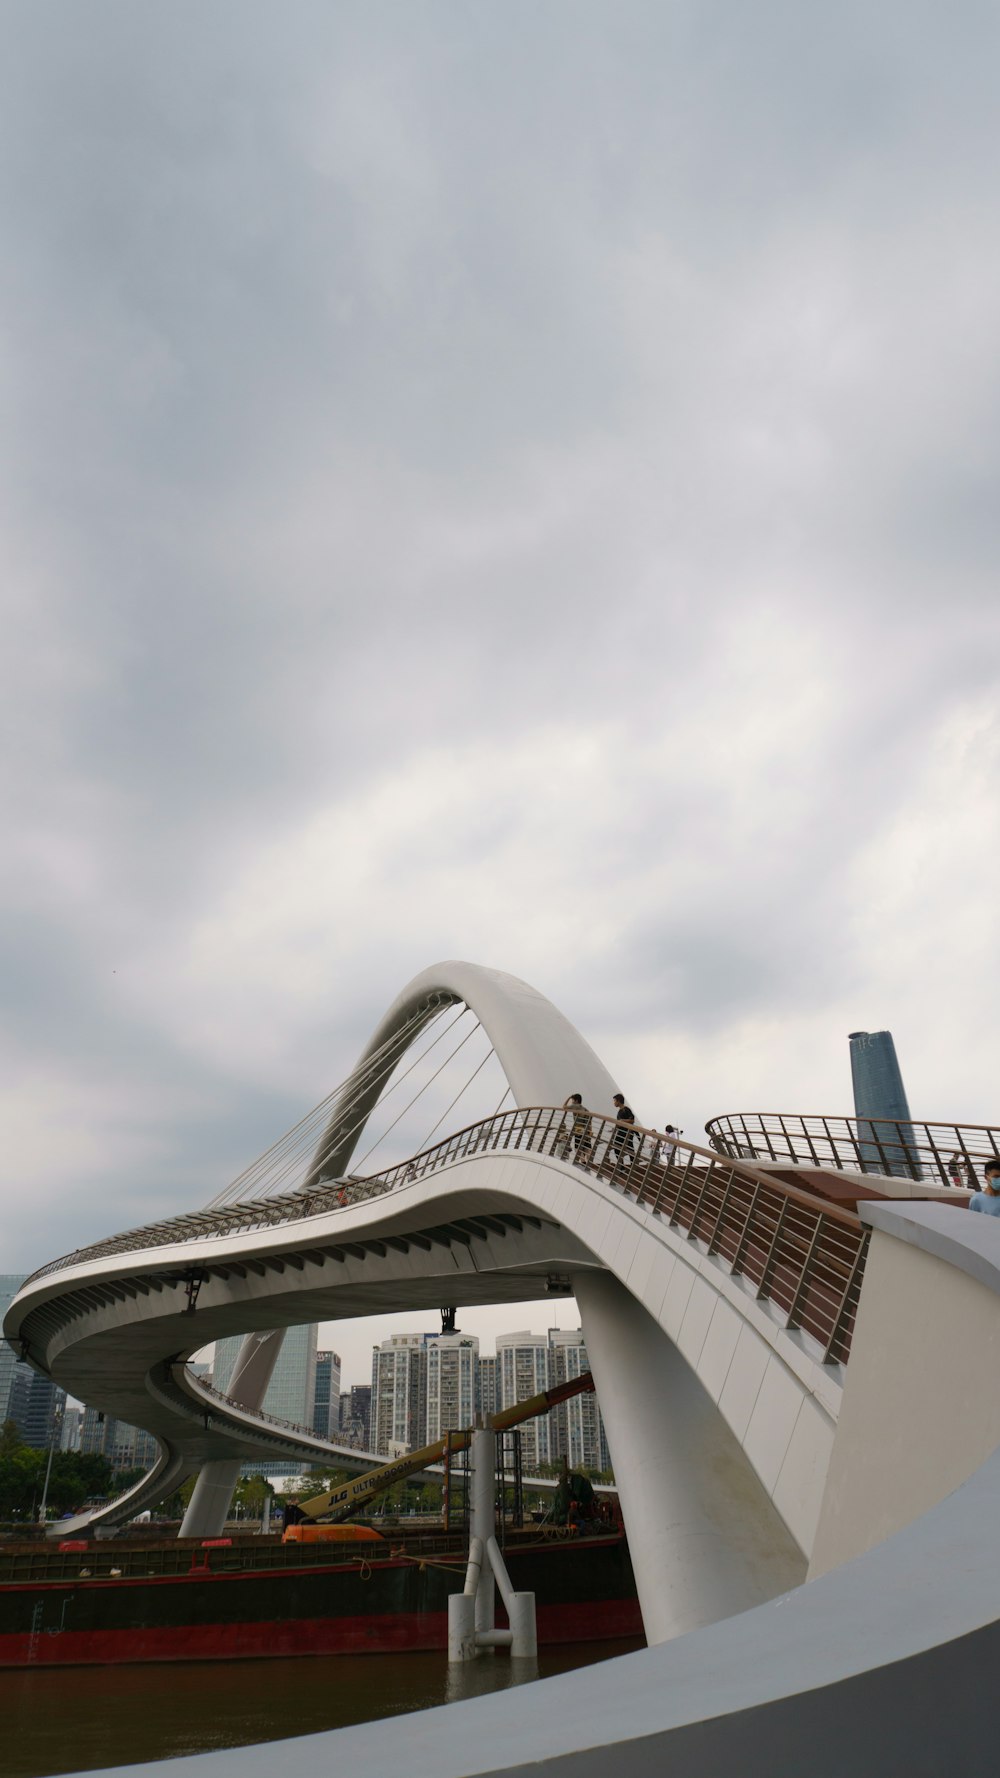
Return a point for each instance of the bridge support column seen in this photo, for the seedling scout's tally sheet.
(704, 1538)
(208, 1508)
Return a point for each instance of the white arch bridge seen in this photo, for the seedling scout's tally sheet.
(720, 1301)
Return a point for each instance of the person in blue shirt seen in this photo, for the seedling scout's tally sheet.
(988, 1201)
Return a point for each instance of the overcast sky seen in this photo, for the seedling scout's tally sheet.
(515, 482)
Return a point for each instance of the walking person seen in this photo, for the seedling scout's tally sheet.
(579, 1132)
(622, 1137)
(667, 1149)
(988, 1201)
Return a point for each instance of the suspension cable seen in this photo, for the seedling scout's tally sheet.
(303, 1133)
(362, 1078)
(476, 1027)
(267, 1170)
(426, 1141)
(345, 1135)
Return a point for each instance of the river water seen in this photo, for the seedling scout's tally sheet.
(79, 1718)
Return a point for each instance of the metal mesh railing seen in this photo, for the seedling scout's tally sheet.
(801, 1255)
(951, 1155)
(195, 1386)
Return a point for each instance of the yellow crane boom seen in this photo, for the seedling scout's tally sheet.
(338, 1503)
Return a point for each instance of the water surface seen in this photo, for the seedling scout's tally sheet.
(77, 1718)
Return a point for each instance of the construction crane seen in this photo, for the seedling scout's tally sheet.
(348, 1497)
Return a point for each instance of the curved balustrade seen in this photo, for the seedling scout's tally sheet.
(195, 1385)
(939, 1154)
(803, 1256)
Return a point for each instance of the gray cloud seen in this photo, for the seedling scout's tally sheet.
(516, 485)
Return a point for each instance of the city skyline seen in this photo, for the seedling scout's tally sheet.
(354, 1342)
(425, 1384)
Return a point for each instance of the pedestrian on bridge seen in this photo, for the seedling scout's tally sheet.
(579, 1132)
(667, 1149)
(622, 1137)
(989, 1200)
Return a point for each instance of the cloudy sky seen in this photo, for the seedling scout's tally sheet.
(514, 482)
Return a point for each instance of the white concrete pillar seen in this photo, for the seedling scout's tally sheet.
(208, 1508)
(520, 1608)
(704, 1538)
(524, 1632)
(482, 1518)
(462, 1627)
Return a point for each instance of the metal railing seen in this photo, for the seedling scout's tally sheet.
(799, 1253)
(195, 1386)
(951, 1155)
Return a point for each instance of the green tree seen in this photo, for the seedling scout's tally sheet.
(174, 1506)
(127, 1478)
(251, 1493)
(21, 1476)
(77, 1476)
(10, 1438)
(74, 1477)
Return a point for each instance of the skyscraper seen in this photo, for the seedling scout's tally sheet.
(124, 1446)
(452, 1378)
(523, 1371)
(10, 1284)
(399, 1394)
(72, 1429)
(424, 1385)
(291, 1393)
(488, 1400)
(879, 1093)
(326, 1401)
(35, 1405)
(356, 1416)
(31, 1400)
(576, 1427)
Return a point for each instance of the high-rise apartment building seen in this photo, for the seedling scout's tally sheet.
(489, 1402)
(879, 1093)
(424, 1385)
(326, 1401)
(576, 1428)
(452, 1377)
(355, 1417)
(399, 1394)
(523, 1371)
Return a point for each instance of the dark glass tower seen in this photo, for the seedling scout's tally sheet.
(879, 1093)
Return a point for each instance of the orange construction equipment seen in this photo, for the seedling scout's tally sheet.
(331, 1534)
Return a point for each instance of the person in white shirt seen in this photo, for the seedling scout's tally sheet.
(667, 1149)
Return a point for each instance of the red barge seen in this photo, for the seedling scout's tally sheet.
(126, 1601)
